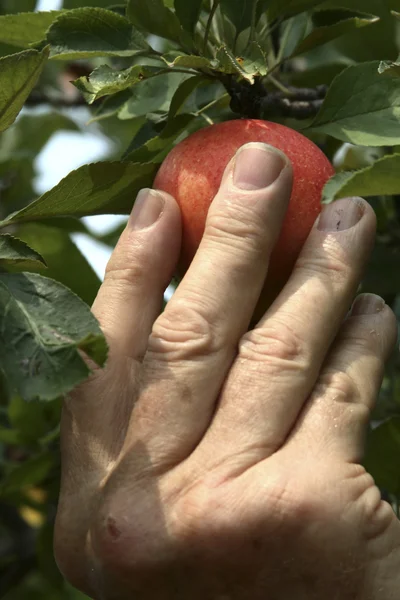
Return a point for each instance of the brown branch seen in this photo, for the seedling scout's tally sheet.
(38, 98)
(256, 102)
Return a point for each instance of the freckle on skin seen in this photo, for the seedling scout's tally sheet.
(112, 528)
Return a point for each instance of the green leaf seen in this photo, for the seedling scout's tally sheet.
(254, 61)
(70, 4)
(388, 67)
(111, 106)
(289, 8)
(240, 12)
(383, 455)
(153, 17)
(157, 148)
(90, 32)
(229, 63)
(104, 81)
(11, 6)
(31, 472)
(323, 35)
(98, 188)
(187, 61)
(379, 179)
(43, 326)
(382, 274)
(188, 13)
(16, 252)
(152, 95)
(33, 420)
(362, 107)
(18, 76)
(183, 92)
(26, 28)
(55, 245)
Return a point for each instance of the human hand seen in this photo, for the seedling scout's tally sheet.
(208, 462)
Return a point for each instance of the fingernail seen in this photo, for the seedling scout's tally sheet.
(257, 166)
(147, 209)
(368, 304)
(341, 214)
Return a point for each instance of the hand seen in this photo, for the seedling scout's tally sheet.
(209, 462)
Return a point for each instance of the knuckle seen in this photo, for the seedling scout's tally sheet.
(237, 226)
(339, 385)
(329, 262)
(277, 346)
(183, 333)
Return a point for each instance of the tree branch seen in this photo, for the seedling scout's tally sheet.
(38, 98)
(256, 102)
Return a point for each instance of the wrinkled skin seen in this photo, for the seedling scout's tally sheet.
(212, 462)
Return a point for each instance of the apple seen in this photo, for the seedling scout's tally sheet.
(193, 170)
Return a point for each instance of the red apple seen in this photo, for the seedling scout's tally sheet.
(192, 173)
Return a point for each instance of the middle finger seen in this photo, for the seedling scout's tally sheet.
(279, 361)
(194, 341)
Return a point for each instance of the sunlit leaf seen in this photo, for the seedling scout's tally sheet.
(98, 188)
(379, 179)
(18, 76)
(105, 81)
(89, 32)
(362, 107)
(26, 28)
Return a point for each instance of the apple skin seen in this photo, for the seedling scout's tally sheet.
(193, 170)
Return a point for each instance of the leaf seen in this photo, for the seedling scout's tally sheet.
(230, 64)
(187, 61)
(70, 4)
(16, 252)
(105, 81)
(157, 148)
(111, 105)
(93, 32)
(289, 8)
(388, 67)
(383, 455)
(183, 92)
(55, 245)
(152, 95)
(240, 12)
(26, 28)
(10, 6)
(382, 274)
(43, 326)
(152, 16)
(31, 472)
(253, 60)
(362, 107)
(18, 76)
(33, 420)
(379, 179)
(98, 188)
(188, 13)
(323, 35)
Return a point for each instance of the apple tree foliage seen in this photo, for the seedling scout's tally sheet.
(146, 73)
